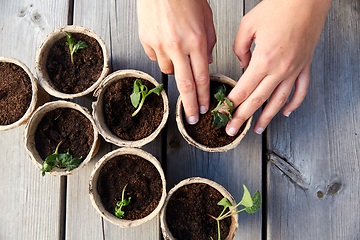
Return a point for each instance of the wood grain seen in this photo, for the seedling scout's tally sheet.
(30, 205)
(320, 139)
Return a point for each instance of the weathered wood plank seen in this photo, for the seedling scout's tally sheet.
(30, 204)
(231, 169)
(320, 140)
(116, 23)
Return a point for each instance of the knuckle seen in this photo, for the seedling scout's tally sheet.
(241, 95)
(279, 102)
(197, 40)
(186, 86)
(202, 80)
(239, 119)
(257, 101)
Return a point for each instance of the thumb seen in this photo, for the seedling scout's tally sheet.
(242, 43)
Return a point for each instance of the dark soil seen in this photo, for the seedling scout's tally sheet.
(203, 132)
(74, 78)
(15, 93)
(118, 110)
(67, 125)
(144, 185)
(187, 213)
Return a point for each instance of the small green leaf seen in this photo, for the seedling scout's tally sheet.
(220, 93)
(138, 100)
(157, 89)
(119, 213)
(246, 200)
(257, 203)
(223, 111)
(224, 202)
(62, 160)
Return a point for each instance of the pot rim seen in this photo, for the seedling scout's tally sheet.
(94, 195)
(98, 113)
(163, 224)
(179, 120)
(31, 126)
(34, 96)
(43, 52)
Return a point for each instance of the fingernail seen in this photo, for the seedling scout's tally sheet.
(287, 114)
(203, 110)
(232, 132)
(259, 130)
(240, 64)
(192, 120)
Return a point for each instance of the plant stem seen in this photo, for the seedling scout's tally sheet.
(139, 107)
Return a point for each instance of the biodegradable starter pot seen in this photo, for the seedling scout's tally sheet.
(20, 93)
(30, 133)
(124, 120)
(142, 175)
(54, 48)
(212, 134)
(186, 208)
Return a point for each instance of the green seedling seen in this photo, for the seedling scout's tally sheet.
(124, 202)
(140, 92)
(251, 205)
(74, 47)
(223, 111)
(62, 160)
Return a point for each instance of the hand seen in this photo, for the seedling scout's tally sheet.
(180, 35)
(285, 33)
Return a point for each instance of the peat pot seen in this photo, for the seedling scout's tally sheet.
(142, 177)
(188, 204)
(113, 110)
(64, 124)
(20, 93)
(65, 77)
(203, 135)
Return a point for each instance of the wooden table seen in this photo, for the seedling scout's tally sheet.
(306, 166)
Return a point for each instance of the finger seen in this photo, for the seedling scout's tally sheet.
(211, 40)
(242, 43)
(277, 101)
(200, 70)
(150, 52)
(186, 86)
(251, 104)
(165, 63)
(301, 88)
(246, 85)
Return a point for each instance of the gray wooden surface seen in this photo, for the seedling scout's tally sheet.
(312, 153)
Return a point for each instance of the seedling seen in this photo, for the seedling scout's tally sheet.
(140, 92)
(223, 111)
(74, 47)
(63, 160)
(251, 205)
(124, 202)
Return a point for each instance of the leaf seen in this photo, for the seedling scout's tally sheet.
(143, 90)
(60, 160)
(157, 89)
(119, 213)
(246, 200)
(257, 203)
(220, 119)
(224, 202)
(220, 93)
(73, 163)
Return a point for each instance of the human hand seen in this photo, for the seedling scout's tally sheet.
(286, 34)
(180, 35)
